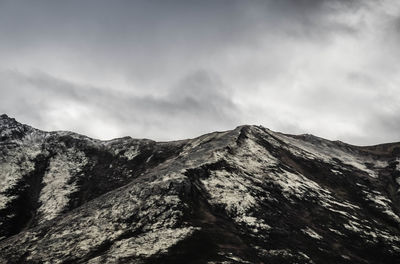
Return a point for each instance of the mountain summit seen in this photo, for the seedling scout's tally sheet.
(249, 195)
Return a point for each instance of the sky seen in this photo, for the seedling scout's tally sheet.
(170, 70)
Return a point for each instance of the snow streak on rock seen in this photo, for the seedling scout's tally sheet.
(58, 183)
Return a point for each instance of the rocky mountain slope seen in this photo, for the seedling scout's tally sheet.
(249, 195)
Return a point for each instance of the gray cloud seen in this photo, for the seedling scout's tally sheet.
(197, 101)
(173, 69)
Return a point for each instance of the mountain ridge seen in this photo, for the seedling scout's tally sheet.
(248, 195)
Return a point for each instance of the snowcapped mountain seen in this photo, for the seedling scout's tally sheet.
(249, 195)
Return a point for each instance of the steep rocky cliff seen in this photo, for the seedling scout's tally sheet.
(249, 195)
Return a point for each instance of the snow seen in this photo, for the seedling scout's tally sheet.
(380, 164)
(280, 252)
(156, 208)
(288, 254)
(149, 158)
(255, 166)
(336, 172)
(234, 258)
(345, 204)
(383, 203)
(326, 151)
(169, 177)
(54, 195)
(252, 157)
(17, 159)
(234, 190)
(343, 208)
(297, 185)
(336, 231)
(255, 224)
(304, 255)
(145, 217)
(226, 188)
(132, 152)
(372, 234)
(16, 163)
(398, 180)
(353, 226)
(311, 233)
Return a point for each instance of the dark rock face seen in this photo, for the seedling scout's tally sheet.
(249, 195)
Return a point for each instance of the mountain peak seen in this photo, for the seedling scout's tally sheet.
(11, 129)
(248, 195)
(6, 121)
(5, 117)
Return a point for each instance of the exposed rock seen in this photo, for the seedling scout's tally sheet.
(249, 195)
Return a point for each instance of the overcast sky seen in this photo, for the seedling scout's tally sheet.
(177, 69)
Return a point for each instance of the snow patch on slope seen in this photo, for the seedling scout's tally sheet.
(311, 233)
(326, 153)
(132, 152)
(228, 189)
(372, 234)
(58, 185)
(16, 162)
(383, 203)
(234, 190)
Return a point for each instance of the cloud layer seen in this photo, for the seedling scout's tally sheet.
(175, 69)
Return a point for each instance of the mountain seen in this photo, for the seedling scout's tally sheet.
(249, 195)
